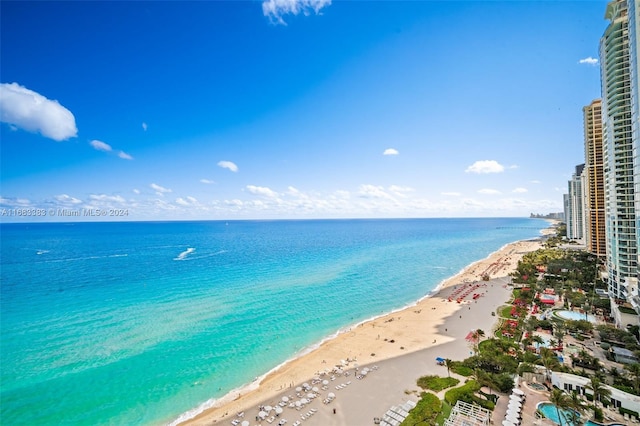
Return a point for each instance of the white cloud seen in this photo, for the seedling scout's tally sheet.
(136, 191)
(160, 190)
(401, 191)
(536, 182)
(207, 181)
(228, 165)
(15, 202)
(105, 197)
(451, 194)
(520, 190)
(488, 191)
(513, 166)
(188, 202)
(105, 147)
(262, 190)
(144, 126)
(485, 166)
(67, 199)
(33, 112)
(276, 9)
(100, 146)
(373, 191)
(390, 151)
(589, 61)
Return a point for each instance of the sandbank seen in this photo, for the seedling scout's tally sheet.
(398, 348)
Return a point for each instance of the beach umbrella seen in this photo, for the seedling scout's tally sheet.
(364, 372)
(298, 389)
(507, 423)
(513, 419)
(518, 392)
(516, 405)
(304, 401)
(311, 395)
(278, 410)
(513, 412)
(331, 395)
(268, 408)
(262, 414)
(325, 382)
(315, 389)
(285, 399)
(298, 403)
(515, 397)
(245, 423)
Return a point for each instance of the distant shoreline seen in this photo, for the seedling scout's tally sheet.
(360, 341)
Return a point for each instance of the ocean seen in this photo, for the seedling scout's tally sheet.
(147, 322)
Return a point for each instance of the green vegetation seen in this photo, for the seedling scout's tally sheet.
(572, 274)
(461, 369)
(444, 414)
(425, 412)
(437, 383)
(467, 393)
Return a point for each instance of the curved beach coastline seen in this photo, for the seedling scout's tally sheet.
(398, 342)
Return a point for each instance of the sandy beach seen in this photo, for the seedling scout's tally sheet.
(396, 348)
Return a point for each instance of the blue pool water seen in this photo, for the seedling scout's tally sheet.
(549, 410)
(575, 316)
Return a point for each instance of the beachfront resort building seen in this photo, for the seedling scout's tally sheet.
(594, 179)
(634, 71)
(575, 205)
(620, 199)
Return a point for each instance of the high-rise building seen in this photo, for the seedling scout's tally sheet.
(620, 216)
(594, 177)
(634, 30)
(575, 206)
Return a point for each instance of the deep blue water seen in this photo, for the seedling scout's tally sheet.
(137, 323)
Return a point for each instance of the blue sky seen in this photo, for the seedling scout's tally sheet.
(294, 108)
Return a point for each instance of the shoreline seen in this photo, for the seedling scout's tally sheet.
(363, 343)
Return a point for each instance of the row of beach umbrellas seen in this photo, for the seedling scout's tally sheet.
(514, 408)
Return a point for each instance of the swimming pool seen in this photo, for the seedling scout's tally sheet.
(550, 412)
(574, 316)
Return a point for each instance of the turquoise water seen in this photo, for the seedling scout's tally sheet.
(550, 412)
(140, 323)
(575, 316)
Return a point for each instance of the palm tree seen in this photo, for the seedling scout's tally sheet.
(477, 335)
(449, 364)
(548, 358)
(561, 400)
(634, 370)
(577, 407)
(599, 389)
